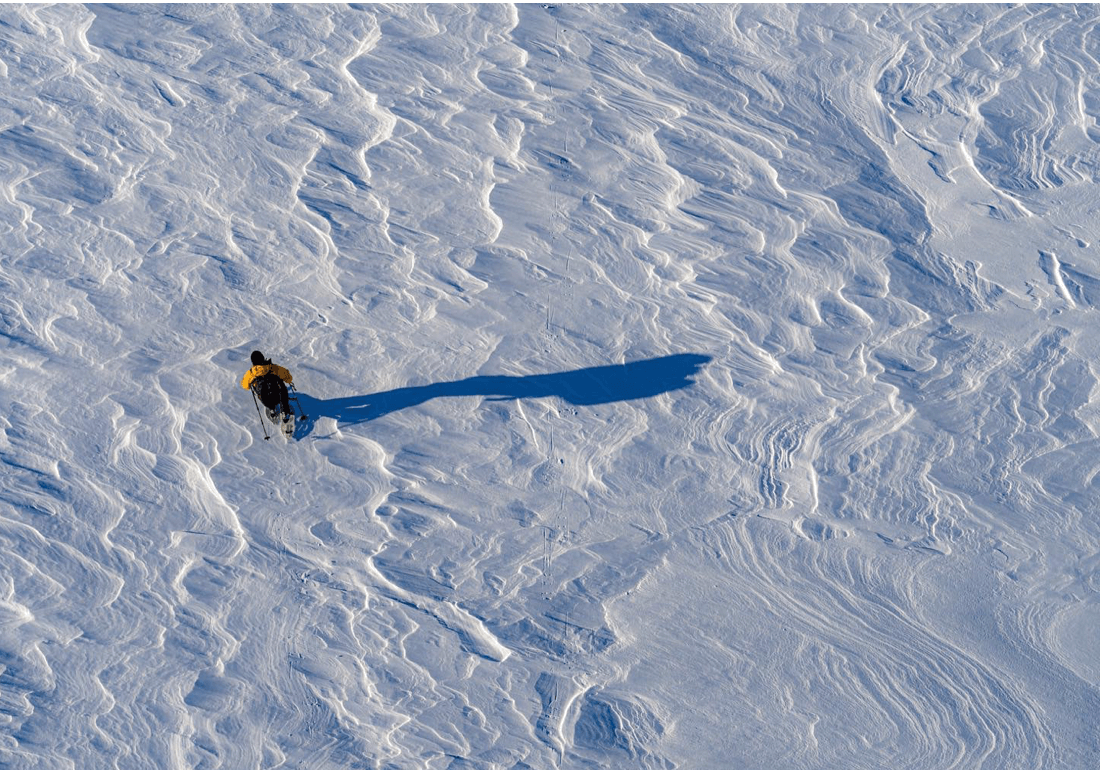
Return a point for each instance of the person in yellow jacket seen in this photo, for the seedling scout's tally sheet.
(269, 382)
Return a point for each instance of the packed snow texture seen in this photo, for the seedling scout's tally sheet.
(691, 386)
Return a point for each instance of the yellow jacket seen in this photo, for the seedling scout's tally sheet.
(260, 371)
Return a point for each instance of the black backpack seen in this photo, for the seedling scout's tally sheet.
(268, 390)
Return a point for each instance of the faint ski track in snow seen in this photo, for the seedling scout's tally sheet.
(865, 535)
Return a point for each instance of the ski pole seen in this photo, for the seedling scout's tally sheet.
(263, 427)
(297, 404)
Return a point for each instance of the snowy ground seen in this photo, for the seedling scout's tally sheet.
(694, 386)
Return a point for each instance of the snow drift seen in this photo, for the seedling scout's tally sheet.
(692, 386)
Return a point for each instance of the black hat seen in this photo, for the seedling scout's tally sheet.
(258, 358)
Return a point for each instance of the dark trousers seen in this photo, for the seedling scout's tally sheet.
(272, 392)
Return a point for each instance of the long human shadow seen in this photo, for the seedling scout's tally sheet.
(581, 387)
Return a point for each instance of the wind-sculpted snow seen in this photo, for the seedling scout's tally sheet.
(691, 386)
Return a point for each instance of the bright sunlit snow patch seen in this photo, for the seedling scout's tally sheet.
(690, 386)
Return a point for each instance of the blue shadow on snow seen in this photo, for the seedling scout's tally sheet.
(582, 387)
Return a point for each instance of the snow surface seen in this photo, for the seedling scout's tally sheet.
(694, 386)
